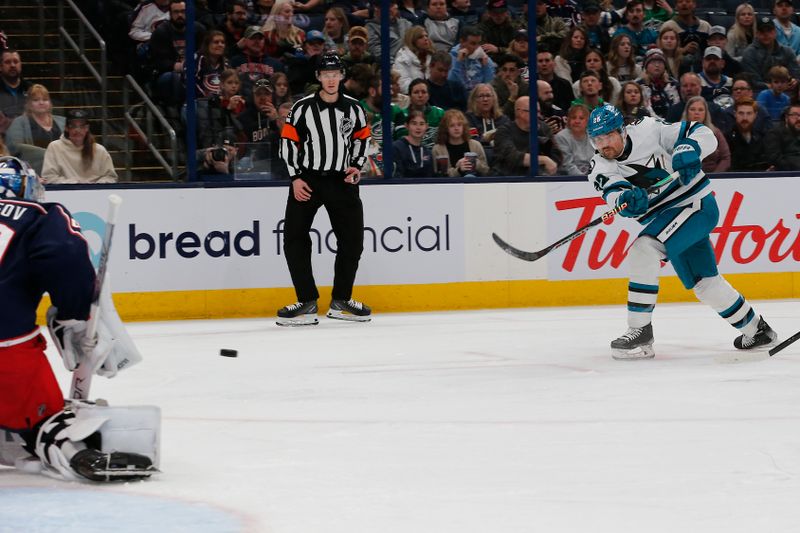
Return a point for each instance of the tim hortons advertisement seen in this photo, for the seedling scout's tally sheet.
(758, 229)
(221, 238)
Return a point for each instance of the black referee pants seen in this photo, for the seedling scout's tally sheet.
(346, 213)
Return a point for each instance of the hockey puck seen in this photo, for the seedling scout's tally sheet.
(225, 352)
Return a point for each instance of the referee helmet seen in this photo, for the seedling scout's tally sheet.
(330, 61)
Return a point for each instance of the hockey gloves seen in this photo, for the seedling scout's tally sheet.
(686, 159)
(635, 200)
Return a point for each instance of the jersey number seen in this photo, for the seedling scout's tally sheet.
(6, 234)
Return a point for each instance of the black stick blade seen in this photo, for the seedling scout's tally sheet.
(516, 252)
(784, 344)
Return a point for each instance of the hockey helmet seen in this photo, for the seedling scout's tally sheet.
(330, 61)
(19, 180)
(604, 120)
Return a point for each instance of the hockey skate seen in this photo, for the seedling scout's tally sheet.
(113, 466)
(636, 343)
(765, 336)
(298, 314)
(352, 310)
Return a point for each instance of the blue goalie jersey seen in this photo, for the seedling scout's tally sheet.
(41, 250)
(646, 159)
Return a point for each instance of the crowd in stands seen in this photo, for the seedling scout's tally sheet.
(460, 79)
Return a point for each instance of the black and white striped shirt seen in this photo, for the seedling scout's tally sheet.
(319, 136)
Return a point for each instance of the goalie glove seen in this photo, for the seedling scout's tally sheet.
(110, 351)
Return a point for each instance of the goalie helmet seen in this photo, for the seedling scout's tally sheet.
(19, 180)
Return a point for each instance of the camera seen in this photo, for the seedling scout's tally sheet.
(218, 153)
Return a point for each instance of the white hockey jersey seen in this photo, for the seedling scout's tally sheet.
(646, 159)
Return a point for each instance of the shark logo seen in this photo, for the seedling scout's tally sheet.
(646, 176)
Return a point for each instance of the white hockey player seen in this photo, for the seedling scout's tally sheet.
(42, 249)
(677, 220)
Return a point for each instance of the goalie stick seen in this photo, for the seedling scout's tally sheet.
(533, 256)
(784, 344)
(82, 375)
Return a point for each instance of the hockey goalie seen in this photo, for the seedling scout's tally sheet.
(42, 250)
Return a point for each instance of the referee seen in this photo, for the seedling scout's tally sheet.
(323, 143)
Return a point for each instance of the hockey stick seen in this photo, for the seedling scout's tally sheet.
(533, 256)
(82, 376)
(784, 344)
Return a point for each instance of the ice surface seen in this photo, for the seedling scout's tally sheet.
(493, 422)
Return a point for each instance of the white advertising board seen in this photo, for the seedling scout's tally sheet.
(758, 229)
(221, 238)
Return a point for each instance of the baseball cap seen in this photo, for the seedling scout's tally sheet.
(262, 85)
(764, 23)
(717, 30)
(251, 31)
(521, 35)
(783, 2)
(713, 51)
(358, 32)
(315, 35)
(591, 7)
(496, 5)
(80, 115)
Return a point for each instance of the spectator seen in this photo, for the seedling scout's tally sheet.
(667, 42)
(508, 84)
(409, 11)
(546, 71)
(632, 103)
(497, 29)
(442, 28)
(774, 100)
(419, 100)
(691, 86)
(484, 117)
(31, 133)
(253, 64)
(210, 64)
(660, 90)
(519, 48)
(512, 144)
(167, 53)
(453, 141)
(301, 68)
(569, 61)
(444, 92)
(311, 7)
(610, 86)
(218, 116)
(716, 37)
(233, 26)
(748, 151)
(765, 53)
(692, 31)
(555, 117)
(412, 159)
(463, 11)
(550, 31)
(715, 86)
(13, 88)
(573, 143)
(278, 168)
(260, 12)
(720, 159)
(398, 27)
(471, 65)
(656, 13)
(280, 89)
(258, 122)
(596, 33)
(782, 143)
(281, 36)
(413, 59)
(788, 33)
(336, 30)
(399, 98)
(590, 86)
(76, 157)
(642, 37)
(373, 107)
(741, 34)
(566, 10)
(146, 17)
(742, 90)
(359, 78)
(357, 48)
(621, 63)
